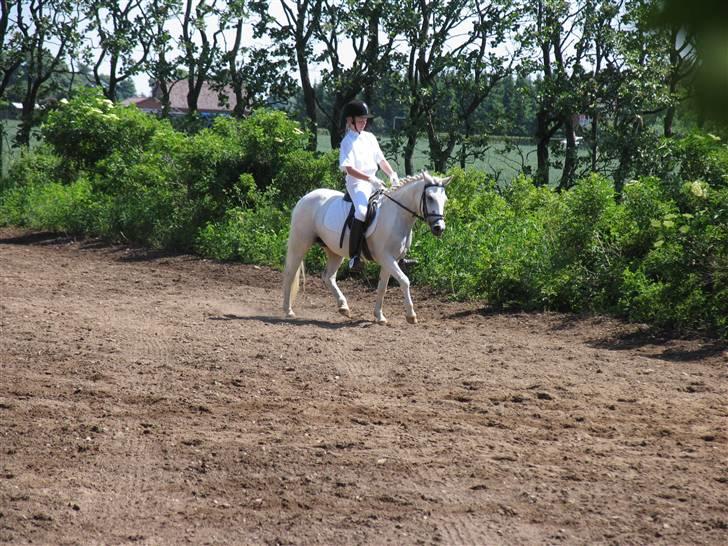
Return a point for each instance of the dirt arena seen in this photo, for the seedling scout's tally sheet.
(149, 399)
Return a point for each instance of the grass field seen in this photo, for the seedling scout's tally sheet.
(499, 162)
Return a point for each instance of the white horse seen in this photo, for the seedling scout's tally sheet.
(421, 196)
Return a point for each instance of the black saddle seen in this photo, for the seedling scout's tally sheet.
(372, 209)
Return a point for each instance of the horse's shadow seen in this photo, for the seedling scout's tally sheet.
(296, 321)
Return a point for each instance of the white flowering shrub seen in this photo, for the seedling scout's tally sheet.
(89, 128)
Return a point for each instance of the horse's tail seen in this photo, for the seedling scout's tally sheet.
(298, 277)
(293, 273)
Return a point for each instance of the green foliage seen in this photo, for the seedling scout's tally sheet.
(211, 165)
(650, 258)
(33, 167)
(89, 128)
(265, 139)
(53, 206)
(704, 157)
(302, 171)
(256, 235)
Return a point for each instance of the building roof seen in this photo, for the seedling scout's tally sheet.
(144, 103)
(208, 101)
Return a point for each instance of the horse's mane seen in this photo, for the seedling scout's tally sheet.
(408, 180)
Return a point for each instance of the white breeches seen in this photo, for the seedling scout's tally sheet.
(360, 191)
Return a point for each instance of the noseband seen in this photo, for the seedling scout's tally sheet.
(423, 206)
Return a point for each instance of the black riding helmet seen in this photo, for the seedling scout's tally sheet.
(354, 109)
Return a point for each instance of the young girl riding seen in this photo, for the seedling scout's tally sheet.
(360, 157)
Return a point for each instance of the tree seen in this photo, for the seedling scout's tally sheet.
(644, 73)
(296, 34)
(361, 24)
(706, 24)
(163, 68)
(426, 28)
(11, 42)
(476, 69)
(48, 23)
(200, 44)
(255, 74)
(123, 28)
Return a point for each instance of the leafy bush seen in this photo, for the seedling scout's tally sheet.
(488, 251)
(585, 252)
(265, 139)
(211, 166)
(53, 206)
(703, 157)
(681, 281)
(302, 171)
(256, 235)
(33, 167)
(89, 128)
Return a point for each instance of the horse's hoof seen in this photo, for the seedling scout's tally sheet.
(381, 321)
(412, 319)
(290, 314)
(345, 311)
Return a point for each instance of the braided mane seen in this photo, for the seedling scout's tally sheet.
(408, 180)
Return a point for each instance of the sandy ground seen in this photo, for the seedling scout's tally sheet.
(149, 399)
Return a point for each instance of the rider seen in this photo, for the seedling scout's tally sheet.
(360, 157)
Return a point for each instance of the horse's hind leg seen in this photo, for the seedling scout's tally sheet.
(329, 277)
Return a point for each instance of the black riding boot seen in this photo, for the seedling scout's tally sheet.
(355, 237)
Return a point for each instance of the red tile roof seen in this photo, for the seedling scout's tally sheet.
(146, 104)
(208, 101)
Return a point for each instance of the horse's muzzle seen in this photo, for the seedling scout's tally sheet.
(437, 228)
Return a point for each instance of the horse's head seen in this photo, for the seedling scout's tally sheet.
(433, 202)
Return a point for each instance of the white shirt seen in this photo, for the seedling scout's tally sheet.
(361, 151)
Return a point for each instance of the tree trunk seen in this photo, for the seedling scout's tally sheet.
(440, 152)
(623, 168)
(336, 125)
(2, 147)
(542, 150)
(667, 122)
(309, 98)
(594, 136)
(570, 161)
(409, 151)
(26, 116)
(26, 121)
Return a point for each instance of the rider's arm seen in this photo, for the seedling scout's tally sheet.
(386, 167)
(356, 173)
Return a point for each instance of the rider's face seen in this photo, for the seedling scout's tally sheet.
(359, 123)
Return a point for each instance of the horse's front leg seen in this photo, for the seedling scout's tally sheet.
(392, 268)
(333, 263)
(381, 290)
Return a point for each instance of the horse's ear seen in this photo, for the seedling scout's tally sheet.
(446, 181)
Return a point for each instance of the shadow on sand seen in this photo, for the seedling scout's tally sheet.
(297, 321)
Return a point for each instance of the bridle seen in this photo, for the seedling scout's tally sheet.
(423, 205)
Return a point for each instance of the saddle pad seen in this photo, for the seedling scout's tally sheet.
(336, 215)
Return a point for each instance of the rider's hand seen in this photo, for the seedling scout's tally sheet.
(374, 181)
(394, 179)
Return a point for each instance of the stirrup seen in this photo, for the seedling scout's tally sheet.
(356, 265)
